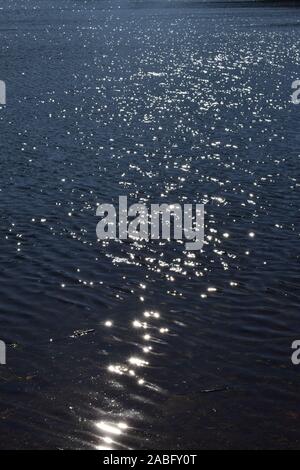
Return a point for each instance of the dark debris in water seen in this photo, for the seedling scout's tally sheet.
(78, 333)
(10, 377)
(214, 390)
(13, 345)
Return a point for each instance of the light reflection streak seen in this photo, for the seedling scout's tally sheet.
(108, 428)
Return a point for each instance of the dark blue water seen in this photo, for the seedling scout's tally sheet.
(162, 103)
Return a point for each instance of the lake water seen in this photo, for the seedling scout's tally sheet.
(174, 102)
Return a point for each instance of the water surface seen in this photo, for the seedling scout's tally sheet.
(162, 103)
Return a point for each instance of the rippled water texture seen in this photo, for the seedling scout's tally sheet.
(122, 345)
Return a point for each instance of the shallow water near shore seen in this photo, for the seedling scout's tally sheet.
(145, 345)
